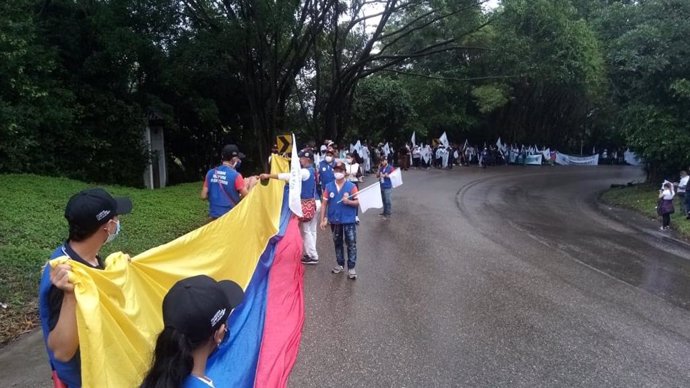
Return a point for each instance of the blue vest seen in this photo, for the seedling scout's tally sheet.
(326, 173)
(309, 186)
(386, 183)
(69, 372)
(222, 195)
(340, 213)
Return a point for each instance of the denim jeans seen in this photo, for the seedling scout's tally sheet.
(386, 198)
(347, 232)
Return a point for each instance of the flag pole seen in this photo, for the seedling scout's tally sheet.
(358, 192)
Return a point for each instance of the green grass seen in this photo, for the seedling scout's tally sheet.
(32, 225)
(643, 199)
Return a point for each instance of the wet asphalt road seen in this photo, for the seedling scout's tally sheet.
(506, 277)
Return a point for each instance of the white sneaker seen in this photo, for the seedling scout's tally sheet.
(337, 269)
(351, 274)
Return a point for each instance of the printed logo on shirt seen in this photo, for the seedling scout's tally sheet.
(332, 195)
(323, 169)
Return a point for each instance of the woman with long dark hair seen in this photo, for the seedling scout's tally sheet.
(195, 314)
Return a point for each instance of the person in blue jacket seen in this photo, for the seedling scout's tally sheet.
(339, 208)
(195, 320)
(383, 174)
(224, 186)
(93, 218)
(325, 170)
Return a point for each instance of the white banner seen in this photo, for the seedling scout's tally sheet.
(295, 190)
(396, 178)
(569, 160)
(370, 197)
(534, 160)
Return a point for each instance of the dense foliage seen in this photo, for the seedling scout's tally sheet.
(78, 78)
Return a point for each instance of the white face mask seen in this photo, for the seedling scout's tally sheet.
(111, 237)
(339, 175)
(329, 159)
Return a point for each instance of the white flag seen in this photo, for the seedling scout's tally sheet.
(386, 149)
(358, 148)
(396, 178)
(370, 197)
(443, 139)
(499, 144)
(294, 195)
(414, 139)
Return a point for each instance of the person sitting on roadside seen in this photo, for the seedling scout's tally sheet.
(93, 218)
(195, 316)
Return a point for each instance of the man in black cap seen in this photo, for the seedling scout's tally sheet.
(224, 186)
(93, 218)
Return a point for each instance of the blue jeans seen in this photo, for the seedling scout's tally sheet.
(386, 198)
(348, 232)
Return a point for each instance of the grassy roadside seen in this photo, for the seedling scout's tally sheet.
(32, 225)
(643, 199)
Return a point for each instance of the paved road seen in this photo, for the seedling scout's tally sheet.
(500, 277)
(506, 277)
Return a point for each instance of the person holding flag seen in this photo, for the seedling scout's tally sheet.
(309, 202)
(386, 187)
(339, 208)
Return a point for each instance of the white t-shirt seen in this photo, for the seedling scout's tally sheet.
(667, 195)
(683, 184)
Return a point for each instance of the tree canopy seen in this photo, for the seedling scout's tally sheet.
(78, 78)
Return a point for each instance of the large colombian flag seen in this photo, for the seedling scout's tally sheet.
(257, 244)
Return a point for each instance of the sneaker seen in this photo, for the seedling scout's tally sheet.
(309, 261)
(337, 269)
(351, 274)
(357, 220)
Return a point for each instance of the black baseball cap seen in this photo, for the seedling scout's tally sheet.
(306, 154)
(91, 208)
(230, 151)
(198, 305)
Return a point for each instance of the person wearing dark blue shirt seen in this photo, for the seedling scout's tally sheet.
(224, 187)
(325, 169)
(384, 173)
(93, 218)
(339, 208)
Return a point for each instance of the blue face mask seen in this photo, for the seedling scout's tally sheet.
(111, 237)
(238, 164)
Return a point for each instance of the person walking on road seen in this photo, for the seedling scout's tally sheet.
(681, 193)
(339, 208)
(386, 187)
